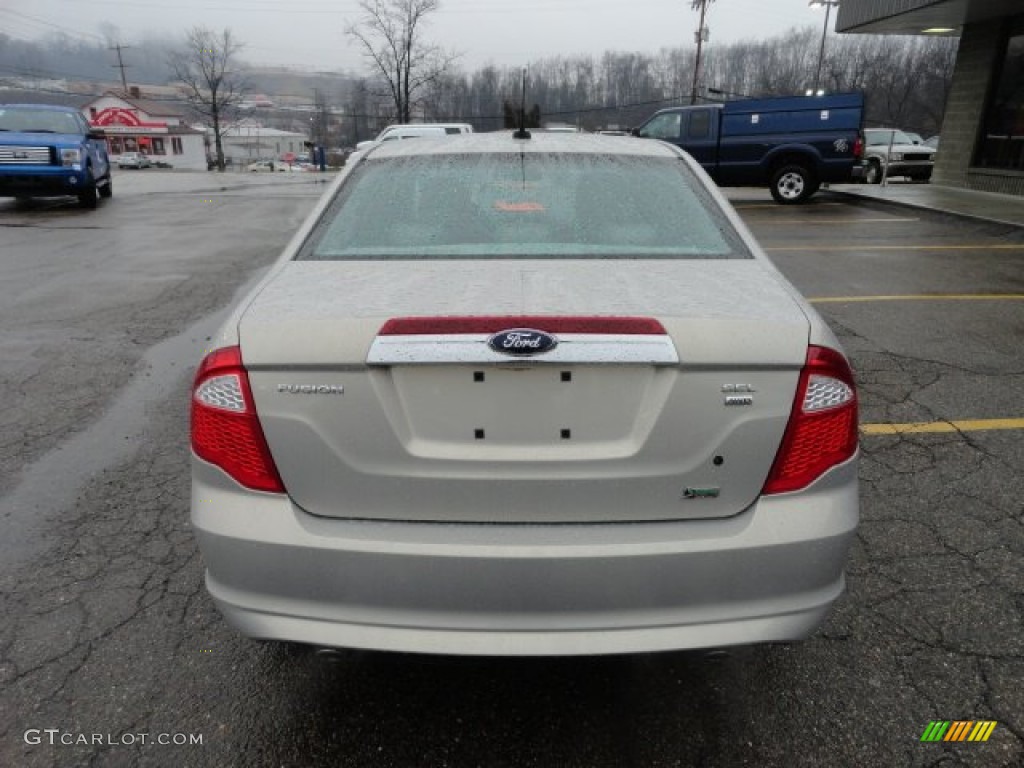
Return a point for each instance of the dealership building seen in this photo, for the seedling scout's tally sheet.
(982, 138)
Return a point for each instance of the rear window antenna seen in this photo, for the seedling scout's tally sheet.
(521, 132)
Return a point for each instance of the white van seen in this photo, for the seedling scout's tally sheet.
(414, 130)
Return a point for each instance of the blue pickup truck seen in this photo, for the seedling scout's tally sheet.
(48, 150)
(791, 144)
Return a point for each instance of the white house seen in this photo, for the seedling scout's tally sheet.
(248, 140)
(155, 128)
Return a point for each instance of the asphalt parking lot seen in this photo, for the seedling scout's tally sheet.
(107, 631)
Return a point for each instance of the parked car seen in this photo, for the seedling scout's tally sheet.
(48, 150)
(267, 166)
(415, 130)
(915, 138)
(791, 144)
(895, 149)
(563, 404)
(135, 160)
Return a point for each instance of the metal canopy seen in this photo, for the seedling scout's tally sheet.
(914, 17)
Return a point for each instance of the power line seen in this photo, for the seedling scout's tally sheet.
(58, 27)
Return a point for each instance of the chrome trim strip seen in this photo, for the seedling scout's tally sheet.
(471, 348)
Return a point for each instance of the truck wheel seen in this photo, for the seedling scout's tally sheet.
(87, 197)
(793, 184)
(107, 189)
(873, 173)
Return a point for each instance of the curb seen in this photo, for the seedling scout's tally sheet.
(935, 208)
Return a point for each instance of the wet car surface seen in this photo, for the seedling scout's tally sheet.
(562, 405)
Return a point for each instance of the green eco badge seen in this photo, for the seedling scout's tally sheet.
(958, 730)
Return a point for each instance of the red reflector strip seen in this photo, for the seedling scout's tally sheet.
(418, 326)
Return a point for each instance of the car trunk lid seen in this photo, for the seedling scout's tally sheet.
(384, 392)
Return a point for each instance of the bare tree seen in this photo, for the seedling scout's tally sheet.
(213, 86)
(390, 33)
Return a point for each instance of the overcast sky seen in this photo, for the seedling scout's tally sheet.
(309, 34)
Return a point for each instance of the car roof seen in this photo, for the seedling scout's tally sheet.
(394, 126)
(539, 142)
(47, 107)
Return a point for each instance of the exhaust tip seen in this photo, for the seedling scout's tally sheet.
(331, 655)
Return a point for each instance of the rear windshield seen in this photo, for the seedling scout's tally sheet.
(531, 206)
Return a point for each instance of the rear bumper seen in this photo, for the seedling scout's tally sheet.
(917, 169)
(837, 172)
(768, 574)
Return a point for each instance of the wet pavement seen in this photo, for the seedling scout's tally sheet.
(108, 634)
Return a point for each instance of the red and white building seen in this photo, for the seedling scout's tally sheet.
(155, 128)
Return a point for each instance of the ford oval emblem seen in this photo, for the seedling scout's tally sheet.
(522, 342)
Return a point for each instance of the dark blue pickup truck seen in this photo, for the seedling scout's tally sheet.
(47, 150)
(791, 144)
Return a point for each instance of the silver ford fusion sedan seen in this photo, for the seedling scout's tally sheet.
(523, 396)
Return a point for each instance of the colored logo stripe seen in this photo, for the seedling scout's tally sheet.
(935, 731)
(982, 730)
(958, 730)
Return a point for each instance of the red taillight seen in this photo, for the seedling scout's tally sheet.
(225, 429)
(858, 148)
(822, 428)
(448, 324)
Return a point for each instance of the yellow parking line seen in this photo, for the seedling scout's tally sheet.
(868, 247)
(921, 297)
(937, 427)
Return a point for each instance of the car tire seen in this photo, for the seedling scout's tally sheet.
(107, 188)
(792, 184)
(88, 198)
(873, 173)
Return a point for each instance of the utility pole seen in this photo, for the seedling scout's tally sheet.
(321, 118)
(120, 64)
(701, 37)
(824, 32)
(320, 126)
